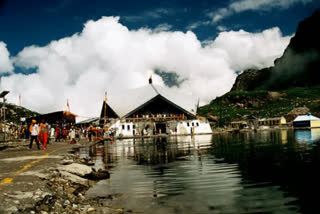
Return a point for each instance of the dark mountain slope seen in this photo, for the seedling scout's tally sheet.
(298, 66)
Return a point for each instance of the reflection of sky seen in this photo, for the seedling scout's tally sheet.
(307, 135)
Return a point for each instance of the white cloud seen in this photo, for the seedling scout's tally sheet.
(245, 5)
(162, 27)
(155, 13)
(197, 24)
(221, 28)
(106, 56)
(5, 63)
(251, 50)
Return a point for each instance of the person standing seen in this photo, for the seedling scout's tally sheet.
(58, 134)
(78, 133)
(64, 134)
(44, 135)
(90, 132)
(52, 133)
(41, 132)
(34, 130)
(72, 135)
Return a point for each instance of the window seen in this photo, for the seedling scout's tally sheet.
(133, 126)
(197, 124)
(192, 124)
(128, 127)
(122, 126)
(188, 124)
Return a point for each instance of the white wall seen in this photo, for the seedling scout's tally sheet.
(199, 127)
(183, 127)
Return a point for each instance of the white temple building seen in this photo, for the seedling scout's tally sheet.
(153, 110)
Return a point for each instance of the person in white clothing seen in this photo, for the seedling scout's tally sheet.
(72, 135)
(34, 130)
(52, 132)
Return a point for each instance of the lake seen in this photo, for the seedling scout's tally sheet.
(250, 172)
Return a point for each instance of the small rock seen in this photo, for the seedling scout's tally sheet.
(91, 209)
(44, 208)
(43, 212)
(57, 204)
(66, 162)
(12, 209)
(74, 178)
(67, 202)
(38, 192)
(60, 189)
(70, 190)
(82, 197)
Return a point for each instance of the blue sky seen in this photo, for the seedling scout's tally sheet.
(37, 22)
(58, 50)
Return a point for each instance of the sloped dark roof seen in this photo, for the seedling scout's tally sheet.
(55, 117)
(129, 101)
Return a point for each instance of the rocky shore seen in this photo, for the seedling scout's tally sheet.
(62, 189)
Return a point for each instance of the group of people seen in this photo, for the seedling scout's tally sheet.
(180, 116)
(44, 132)
(39, 133)
(14, 132)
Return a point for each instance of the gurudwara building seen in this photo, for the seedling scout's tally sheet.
(152, 110)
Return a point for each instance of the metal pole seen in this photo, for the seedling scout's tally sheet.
(105, 109)
(4, 109)
(2, 95)
(4, 118)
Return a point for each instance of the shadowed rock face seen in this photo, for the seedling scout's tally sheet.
(251, 79)
(298, 66)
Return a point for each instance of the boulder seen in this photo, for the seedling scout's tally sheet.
(74, 178)
(77, 169)
(99, 175)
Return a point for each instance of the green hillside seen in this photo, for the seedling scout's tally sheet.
(238, 105)
(14, 113)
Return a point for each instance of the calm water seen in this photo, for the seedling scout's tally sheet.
(253, 172)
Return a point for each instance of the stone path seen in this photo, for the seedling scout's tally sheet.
(22, 172)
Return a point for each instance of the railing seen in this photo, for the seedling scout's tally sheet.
(153, 119)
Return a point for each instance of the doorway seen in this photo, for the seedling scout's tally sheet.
(161, 128)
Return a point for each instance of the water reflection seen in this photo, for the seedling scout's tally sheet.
(307, 135)
(250, 172)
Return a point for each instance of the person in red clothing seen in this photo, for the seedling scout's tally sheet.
(58, 133)
(64, 134)
(45, 136)
(43, 130)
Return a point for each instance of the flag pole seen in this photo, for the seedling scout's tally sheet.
(105, 109)
(68, 105)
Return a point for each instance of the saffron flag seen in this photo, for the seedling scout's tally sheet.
(68, 105)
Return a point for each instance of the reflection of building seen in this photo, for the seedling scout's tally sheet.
(159, 150)
(238, 124)
(306, 121)
(276, 121)
(307, 135)
(284, 136)
(153, 110)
